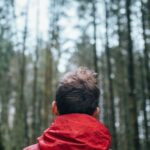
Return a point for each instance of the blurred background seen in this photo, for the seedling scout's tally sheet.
(40, 40)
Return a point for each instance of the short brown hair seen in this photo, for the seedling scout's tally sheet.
(78, 92)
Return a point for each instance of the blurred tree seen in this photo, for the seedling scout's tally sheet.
(110, 103)
(135, 145)
(47, 86)
(146, 64)
(94, 36)
(21, 107)
(6, 52)
(120, 73)
(34, 101)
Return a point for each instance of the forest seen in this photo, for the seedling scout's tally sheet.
(40, 40)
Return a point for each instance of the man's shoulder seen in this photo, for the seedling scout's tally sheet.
(32, 147)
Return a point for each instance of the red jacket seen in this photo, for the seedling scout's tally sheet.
(74, 132)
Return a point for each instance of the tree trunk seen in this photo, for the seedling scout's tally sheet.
(124, 129)
(48, 85)
(1, 140)
(144, 104)
(110, 84)
(34, 101)
(21, 108)
(146, 64)
(94, 36)
(135, 145)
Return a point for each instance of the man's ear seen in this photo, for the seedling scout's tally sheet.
(54, 108)
(96, 113)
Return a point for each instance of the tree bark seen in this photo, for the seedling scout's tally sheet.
(110, 84)
(146, 64)
(48, 85)
(21, 107)
(144, 104)
(94, 36)
(135, 145)
(146, 53)
(34, 101)
(124, 127)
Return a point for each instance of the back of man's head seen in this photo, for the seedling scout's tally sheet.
(78, 92)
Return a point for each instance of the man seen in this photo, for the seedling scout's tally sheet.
(76, 108)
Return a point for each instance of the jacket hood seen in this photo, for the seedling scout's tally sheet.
(75, 132)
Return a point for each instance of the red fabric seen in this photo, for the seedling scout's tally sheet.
(75, 132)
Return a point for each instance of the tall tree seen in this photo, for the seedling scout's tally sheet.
(34, 101)
(21, 107)
(120, 84)
(47, 86)
(135, 145)
(110, 83)
(94, 35)
(144, 104)
(146, 64)
(6, 52)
